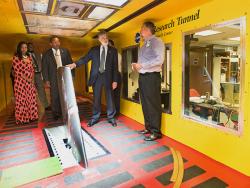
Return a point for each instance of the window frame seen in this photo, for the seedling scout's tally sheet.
(242, 21)
(170, 46)
(122, 50)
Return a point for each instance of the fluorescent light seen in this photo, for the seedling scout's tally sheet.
(53, 22)
(59, 32)
(207, 33)
(234, 38)
(109, 2)
(100, 13)
(40, 6)
(69, 9)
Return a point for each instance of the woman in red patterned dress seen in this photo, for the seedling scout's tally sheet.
(25, 92)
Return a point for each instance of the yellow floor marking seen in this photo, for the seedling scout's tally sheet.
(178, 171)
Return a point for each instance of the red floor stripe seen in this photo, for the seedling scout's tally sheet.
(212, 168)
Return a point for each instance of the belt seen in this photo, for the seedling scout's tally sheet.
(148, 73)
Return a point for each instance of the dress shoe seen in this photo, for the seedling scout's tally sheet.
(117, 114)
(144, 131)
(152, 137)
(56, 117)
(113, 122)
(92, 122)
(48, 108)
(33, 121)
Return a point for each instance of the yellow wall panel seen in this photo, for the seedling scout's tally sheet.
(6, 91)
(227, 148)
(80, 81)
(2, 88)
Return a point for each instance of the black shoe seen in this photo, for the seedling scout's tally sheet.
(144, 131)
(152, 137)
(48, 108)
(92, 122)
(33, 121)
(56, 117)
(113, 122)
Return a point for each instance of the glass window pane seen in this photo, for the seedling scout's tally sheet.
(40, 6)
(212, 77)
(69, 9)
(100, 13)
(166, 80)
(130, 78)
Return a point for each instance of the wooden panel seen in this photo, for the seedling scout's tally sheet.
(2, 88)
(79, 81)
(5, 85)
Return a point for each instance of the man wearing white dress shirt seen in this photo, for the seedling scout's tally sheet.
(52, 59)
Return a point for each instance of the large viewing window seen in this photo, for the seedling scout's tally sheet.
(130, 89)
(130, 78)
(166, 80)
(213, 74)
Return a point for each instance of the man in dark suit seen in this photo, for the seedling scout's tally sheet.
(117, 91)
(103, 73)
(52, 59)
(36, 60)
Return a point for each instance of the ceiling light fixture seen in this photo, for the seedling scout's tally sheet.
(234, 38)
(118, 3)
(59, 22)
(100, 13)
(39, 6)
(207, 33)
(56, 31)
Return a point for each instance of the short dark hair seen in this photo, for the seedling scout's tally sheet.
(29, 44)
(53, 37)
(102, 32)
(111, 42)
(150, 26)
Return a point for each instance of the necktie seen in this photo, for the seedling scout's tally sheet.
(58, 58)
(102, 60)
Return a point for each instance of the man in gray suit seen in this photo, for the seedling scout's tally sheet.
(36, 60)
(52, 59)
